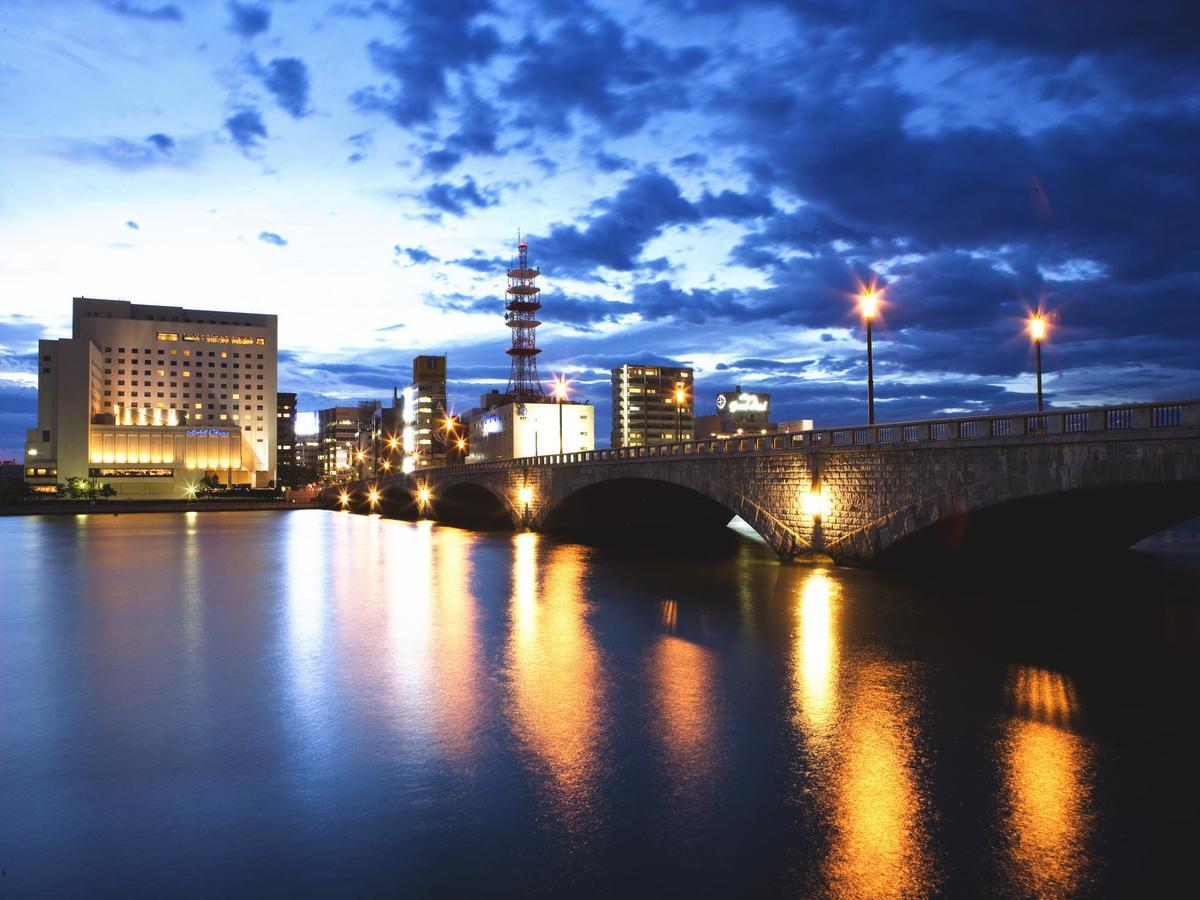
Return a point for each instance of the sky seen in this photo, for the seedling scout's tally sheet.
(701, 183)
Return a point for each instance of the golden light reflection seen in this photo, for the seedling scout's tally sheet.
(668, 614)
(682, 677)
(880, 843)
(557, 677)
(816, 658)
(1047, 772)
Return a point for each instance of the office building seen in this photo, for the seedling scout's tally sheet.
(651, 405)
(338, 430)
(423, 405)
(285, 430)
(151, 399)
(518, 429)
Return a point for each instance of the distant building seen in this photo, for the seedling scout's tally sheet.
(338, 430)
(285, 429)
(308, 449)
(645, 408)
(423, 406)
(515, 430)
(746, 410)
(151, 399)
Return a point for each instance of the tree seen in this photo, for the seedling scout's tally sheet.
(291, 476)
(108, 491)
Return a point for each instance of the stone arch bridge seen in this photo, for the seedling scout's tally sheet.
(1083, 479)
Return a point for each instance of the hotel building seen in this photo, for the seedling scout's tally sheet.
(151, 399)
(644, 405)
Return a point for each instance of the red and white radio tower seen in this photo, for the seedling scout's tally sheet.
(522, 307)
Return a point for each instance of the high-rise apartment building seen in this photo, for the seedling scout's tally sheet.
(285, 430)
(651, 405)
(423, 411)
(151, 399)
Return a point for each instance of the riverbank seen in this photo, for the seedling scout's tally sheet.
(116, 507)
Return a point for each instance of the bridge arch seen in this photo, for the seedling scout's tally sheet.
(472, 504)
(662, 501)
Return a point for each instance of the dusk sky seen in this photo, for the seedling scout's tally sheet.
(701, 183)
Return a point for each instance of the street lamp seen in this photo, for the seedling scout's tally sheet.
(869, 306)
(1037, 331)
(560, 396)
(680, 398)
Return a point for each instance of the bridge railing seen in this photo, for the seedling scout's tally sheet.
(924, 432)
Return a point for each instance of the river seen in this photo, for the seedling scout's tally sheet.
(312, 703)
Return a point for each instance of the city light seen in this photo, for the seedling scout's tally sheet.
(386, 465)
(423, 496)
(1037, 331)
(869, 303)
(344, 498)
(360, 456)
(373, 496)
(190, 490)
(525, 495)
(393, 443)
(560, 388)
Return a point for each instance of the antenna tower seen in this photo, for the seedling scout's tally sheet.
(521, 311)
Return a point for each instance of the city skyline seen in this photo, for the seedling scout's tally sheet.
(701, 188)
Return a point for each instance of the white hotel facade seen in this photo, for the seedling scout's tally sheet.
(151, 399)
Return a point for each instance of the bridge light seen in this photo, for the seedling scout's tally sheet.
(868, 303)
(344, 498)
(423, 496)
(373, 496)
(525, 495)
(1037, 327)
(815, 503)
(1037, 331)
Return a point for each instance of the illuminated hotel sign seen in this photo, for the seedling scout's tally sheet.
(224, 339)
(207, 432)
(743, 403)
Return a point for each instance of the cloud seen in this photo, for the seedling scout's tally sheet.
(167, 12)
(647, 203)
(362, 143)
(436, 40)
(246, 128)
(287, 80)
(418, 255)
(132, 224)
(455, 199)
(122, 153)
(248, 19)
(270, 237)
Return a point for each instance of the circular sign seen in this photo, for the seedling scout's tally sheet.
(720, 401)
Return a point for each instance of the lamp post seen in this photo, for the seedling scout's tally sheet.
(869, 304)
(560, 396)
(680, 399)
(1037, 331)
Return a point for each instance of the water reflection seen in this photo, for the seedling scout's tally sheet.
(1047, 786)
(557, 676)
(681, 682)
(880, 846)
(855, 717)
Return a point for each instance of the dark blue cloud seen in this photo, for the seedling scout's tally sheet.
(647, 203)
(435, 40)
(246, 128)
(589, 65)
(440, 161)
(417, 255)
(164, 142)
(248, 19)
(132, 225)
(270, 237)
(287, 80)
(167, 12)
(455, 199)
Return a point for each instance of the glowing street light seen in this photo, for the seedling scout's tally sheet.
(680, 399)
(1037, 332)
(423, 496)
(344, 499)
(373, 497)
(560, 396)
(868, 305)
